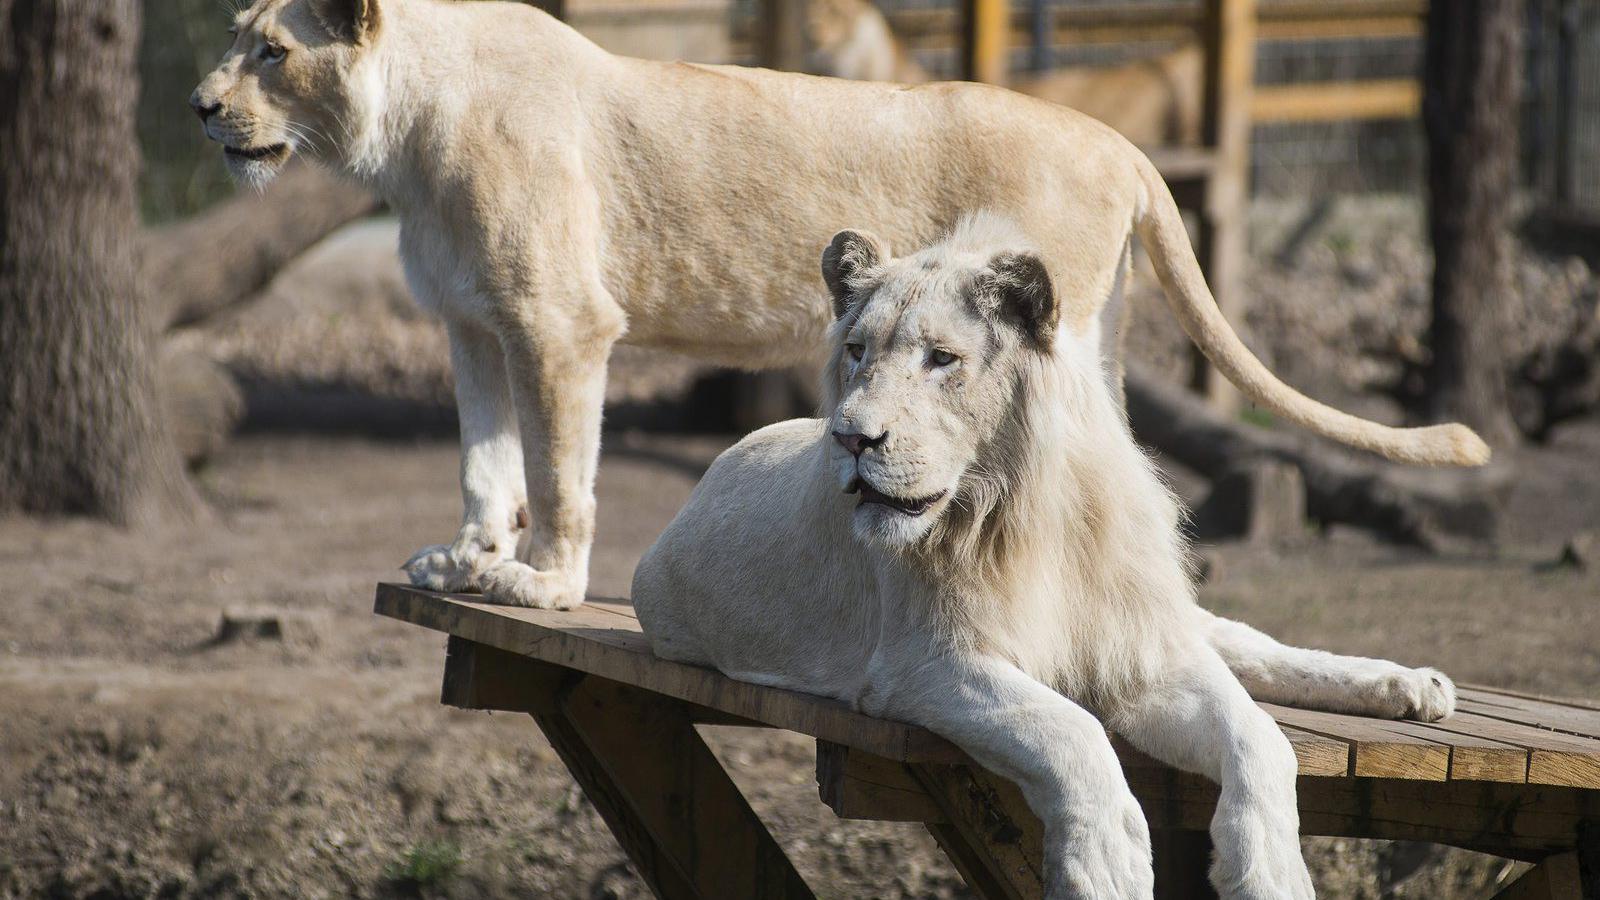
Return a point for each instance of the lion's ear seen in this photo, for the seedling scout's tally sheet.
(1023, 286)
(849, 255)
(352, 20)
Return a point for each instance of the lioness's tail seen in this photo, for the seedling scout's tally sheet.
(1160, 227)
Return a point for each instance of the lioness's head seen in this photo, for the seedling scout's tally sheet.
(287, 83)
(929, 354)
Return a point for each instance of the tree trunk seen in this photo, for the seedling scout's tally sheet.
(1472, 85)
(80, 422)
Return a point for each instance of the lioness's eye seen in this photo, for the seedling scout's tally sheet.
(942, 357)
(856, 351)
(273, 52)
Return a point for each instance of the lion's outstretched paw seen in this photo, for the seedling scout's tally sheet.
(1425, 695)
(1432, 696)
(519, 584)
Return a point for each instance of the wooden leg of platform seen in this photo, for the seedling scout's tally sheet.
(662, 792)
(1556, 878)
(988, 831)
(1182, 859)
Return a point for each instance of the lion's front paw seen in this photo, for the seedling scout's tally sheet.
(1104, 857)
(519, 584)
(461, 565)
(1429, 694)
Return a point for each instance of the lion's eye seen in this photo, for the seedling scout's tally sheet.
(942, 358)
(856, 351)
(273, 53)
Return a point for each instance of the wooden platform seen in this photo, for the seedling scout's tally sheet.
(1511, 774)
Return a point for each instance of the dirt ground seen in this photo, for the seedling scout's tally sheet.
(142, 756)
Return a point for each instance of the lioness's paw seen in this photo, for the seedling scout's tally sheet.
(519, 584)
(460, 566)
(432, 568)
(1105, 857)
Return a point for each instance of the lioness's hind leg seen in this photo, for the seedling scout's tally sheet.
(1198, 718)
(1316, 679)
(494, 508)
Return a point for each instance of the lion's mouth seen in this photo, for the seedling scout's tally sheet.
(272, 151)
(904, 505)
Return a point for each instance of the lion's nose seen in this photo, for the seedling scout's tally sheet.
(855, 441)
(201, 108)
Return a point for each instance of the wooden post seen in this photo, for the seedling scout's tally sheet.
(781, 36)
(1228, 31)
(986, 40)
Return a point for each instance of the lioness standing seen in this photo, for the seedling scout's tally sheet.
(555, 199)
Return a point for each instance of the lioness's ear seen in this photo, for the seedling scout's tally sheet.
(1024, 290)
(849, 255)
(352, 20)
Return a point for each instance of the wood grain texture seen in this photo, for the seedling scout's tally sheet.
(1498, 737)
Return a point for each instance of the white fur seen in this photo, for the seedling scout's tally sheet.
(1046, 594)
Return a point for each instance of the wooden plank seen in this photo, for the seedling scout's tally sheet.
(1318, 754)
(1379, 748)
(1373, 26)
(1517, 820)
(1539, 713)
(1337, 101)
(858, 785)
(603, 639)
(1480, 692)
(604, 643)
(1553, 757)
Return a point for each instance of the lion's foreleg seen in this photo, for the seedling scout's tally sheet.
(1200, 719)
(1096, 841)
(1315, 679)
(492, 489)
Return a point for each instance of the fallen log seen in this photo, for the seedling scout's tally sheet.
(217, 259)
(1435, 509)
(230, 252)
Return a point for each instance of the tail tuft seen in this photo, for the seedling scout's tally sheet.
(1456, 445)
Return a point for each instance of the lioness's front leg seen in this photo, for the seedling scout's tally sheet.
(494, 508)
(1096, 841)
(556, 351)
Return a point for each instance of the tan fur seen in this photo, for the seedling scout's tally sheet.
(555, 199)
(1149, 101)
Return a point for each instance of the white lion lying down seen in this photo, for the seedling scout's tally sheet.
(972, 542)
